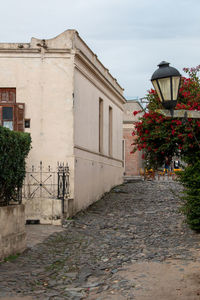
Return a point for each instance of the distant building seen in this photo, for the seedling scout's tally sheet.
(60, 92)
(132, 161)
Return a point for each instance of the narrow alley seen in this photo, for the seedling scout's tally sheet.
(132, 244)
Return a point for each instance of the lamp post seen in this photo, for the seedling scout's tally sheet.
(166, 81)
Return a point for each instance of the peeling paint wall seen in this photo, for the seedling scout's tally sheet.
(12, 233)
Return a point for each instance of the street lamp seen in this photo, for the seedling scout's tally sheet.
(166, 81)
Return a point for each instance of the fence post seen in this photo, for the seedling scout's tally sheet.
(63, 178)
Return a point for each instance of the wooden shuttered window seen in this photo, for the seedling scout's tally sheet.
(12, 116)
(7, 95)
(19, 117)
(11, 113)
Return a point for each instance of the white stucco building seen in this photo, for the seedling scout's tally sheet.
(60, 92)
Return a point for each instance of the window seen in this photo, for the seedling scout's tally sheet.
(11, 113)
(110, 133)
(7, 95)
(7, 117)
(100, 125)
(27, 123)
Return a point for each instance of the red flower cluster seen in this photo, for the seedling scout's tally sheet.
(190, 135)
(181, 106)
(177, 122)
(137, 112)
(152, 92)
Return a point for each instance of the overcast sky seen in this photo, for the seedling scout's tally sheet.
(130, 37)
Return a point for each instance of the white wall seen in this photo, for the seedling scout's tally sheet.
(95, 173)
(86, 116)
(46, 87)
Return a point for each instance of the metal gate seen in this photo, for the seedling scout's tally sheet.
(46, 182)
(63, 183)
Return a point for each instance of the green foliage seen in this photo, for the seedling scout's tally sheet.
(190, 178)
(14, 148)
(11, 257)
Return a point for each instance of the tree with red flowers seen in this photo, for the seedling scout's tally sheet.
(160, 137)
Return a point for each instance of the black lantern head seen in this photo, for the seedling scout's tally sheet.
(166, 81)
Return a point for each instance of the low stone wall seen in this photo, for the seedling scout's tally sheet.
(45, 210)
(12, 230)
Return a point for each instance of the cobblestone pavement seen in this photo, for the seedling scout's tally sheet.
(119, 248)
(37, 233)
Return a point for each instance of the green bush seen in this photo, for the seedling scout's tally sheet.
(14, 148)
(190, 178)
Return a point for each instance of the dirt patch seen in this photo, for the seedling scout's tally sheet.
(172, 279)
(169, 280)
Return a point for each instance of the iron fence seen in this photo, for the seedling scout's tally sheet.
(47, 182)
(63, 183)
(42, 182)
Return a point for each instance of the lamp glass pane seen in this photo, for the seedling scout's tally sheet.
(155, 84)
(175, 85)
(165, 88)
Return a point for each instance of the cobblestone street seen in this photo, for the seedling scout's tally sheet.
(132, 244)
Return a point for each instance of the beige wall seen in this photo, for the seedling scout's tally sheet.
(45, 85)
(12, 233)
(86, 117)
(44, 82)
(95, 173)
(46, 210)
